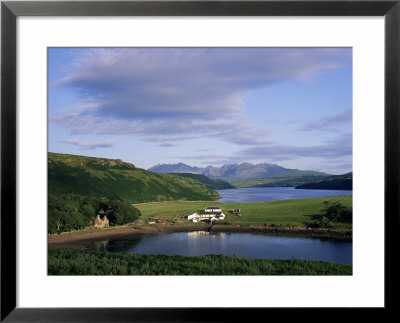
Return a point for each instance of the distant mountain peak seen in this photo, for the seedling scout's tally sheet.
(246, 164)
(175, 168)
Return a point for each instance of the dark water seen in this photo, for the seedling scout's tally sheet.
(240, 244)
(259, 194)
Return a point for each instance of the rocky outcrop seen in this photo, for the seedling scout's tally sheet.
(114, 162)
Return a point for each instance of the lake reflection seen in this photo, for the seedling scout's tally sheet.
(233, 244)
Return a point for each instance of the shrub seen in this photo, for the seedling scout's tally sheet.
(74, 262)
(339, 213)
(124, 213)
(324, 223)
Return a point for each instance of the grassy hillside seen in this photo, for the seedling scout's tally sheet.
(211, 183)
(298, 173)
(290, 178)
(335, 182)
(73, 262)
(101, 177)
(296, 212)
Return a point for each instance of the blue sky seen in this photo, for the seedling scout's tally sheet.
(203, 106)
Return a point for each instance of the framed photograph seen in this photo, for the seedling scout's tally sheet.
(162, 159)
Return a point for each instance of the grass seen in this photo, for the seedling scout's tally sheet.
(100, 177)
(211, 183)
(296, 212)
(73, 262)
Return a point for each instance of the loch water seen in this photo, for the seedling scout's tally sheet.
(242, 245)
(261, 194)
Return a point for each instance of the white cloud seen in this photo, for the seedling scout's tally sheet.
(172, 94)
(90, 145)
(330, 123)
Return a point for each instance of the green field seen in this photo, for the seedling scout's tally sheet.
(73, 262)
(296, 212)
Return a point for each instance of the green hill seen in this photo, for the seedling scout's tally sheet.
(113, 178)
(335, 182)
(289, 178)
(211, 183)
(292, 173)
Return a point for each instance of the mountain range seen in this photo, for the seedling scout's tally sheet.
(235, 172)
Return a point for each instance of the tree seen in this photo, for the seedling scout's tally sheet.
(339, 213)
(73, 212)
(122, 213)
(56, 221)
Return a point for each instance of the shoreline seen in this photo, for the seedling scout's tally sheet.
(79, 238)
(297, 231)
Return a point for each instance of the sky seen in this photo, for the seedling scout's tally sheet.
(203, 106)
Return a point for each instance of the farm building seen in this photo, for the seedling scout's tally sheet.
(101, 223)
(235, 212)
(209, 214)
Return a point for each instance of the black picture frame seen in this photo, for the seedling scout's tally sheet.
(10, 10)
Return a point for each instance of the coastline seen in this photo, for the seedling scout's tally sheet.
(298, 231)
(76, 240)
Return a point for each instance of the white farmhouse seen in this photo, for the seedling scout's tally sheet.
(193, 217)
(209, 214)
